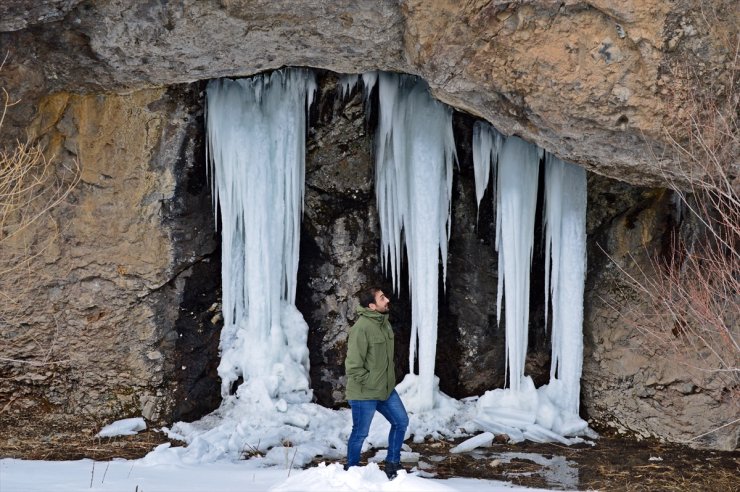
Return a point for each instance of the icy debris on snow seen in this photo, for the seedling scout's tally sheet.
(447, 419)
(124, 427)
(481, 440)
(531, 413)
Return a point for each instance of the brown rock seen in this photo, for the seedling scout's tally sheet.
(577, 78)
(112, 311)
(98, 315)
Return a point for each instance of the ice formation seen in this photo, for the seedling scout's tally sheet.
(565, 242)
(549, 413)
(256, 148)
(124, 427)
(486, 147)
(516, 202)
(256, 138)
(415, 150)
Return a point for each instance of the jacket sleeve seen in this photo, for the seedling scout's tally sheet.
(354, 364)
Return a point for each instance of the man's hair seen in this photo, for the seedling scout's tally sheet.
(367, 296)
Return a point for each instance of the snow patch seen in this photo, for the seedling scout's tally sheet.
(124, 427)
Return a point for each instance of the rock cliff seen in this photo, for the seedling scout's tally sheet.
(594, 82)
(116, 300)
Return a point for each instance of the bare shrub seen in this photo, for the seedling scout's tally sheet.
(692, 286)
(31, 185)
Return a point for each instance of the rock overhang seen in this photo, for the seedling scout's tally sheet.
(584, 80)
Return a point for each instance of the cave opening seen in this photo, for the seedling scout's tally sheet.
(339, 243)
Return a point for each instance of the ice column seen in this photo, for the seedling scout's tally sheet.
(415, 150)
(565, 257)
(548, 413)
(516, 201)
(514, 165)
(256, 150)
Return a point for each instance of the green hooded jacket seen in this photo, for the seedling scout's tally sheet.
(369, 363)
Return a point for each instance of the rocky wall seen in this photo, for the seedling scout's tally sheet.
(103, 299)
(592, 81)
(117, 299)
(643, 375)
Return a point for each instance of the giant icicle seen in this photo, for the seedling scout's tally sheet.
(516, 202)
(514, 165)
(256, 147)
(565, 222)
(415, 150)
(522, 411)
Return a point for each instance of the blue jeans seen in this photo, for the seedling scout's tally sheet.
(362, 415)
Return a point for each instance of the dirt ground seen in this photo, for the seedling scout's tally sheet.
(613, 463)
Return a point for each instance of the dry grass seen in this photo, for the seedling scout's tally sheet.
(31, 185)
(47, 439)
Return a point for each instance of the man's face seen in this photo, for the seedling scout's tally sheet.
(382, 303)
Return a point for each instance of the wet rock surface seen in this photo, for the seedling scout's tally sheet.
(339, 232)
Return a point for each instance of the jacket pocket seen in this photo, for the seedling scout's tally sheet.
(376, 361)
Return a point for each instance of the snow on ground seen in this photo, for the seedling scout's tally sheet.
(242, 476)
(125, 427)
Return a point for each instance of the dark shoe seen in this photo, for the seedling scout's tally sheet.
(391, 469)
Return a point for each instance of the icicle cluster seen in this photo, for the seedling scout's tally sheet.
(514, 165)
(522, 411)
(516, 203)
(486, 147)
(256, 144)
(415, 150)
(565, 242)
(256, 148)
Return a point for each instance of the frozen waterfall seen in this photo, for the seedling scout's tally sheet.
(565, 241)
(514, 165)
(523, 411)
(516, 203)
(415, 150)
(256, 147)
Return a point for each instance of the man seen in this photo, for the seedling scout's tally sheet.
(371, 380)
